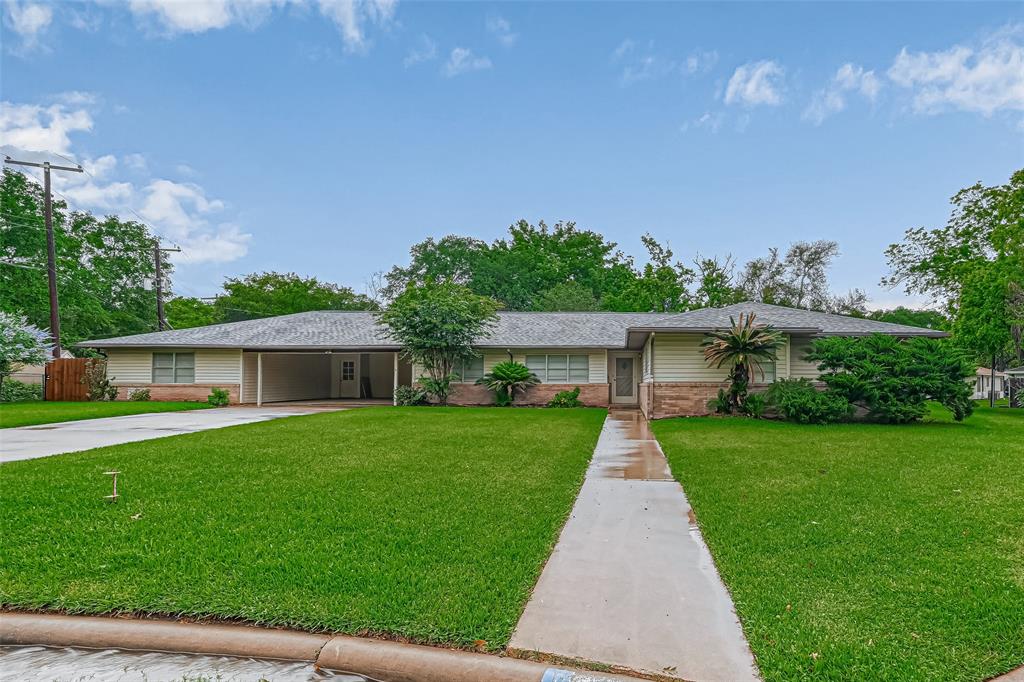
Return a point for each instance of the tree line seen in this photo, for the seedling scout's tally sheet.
(972, 269)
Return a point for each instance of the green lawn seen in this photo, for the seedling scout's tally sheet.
(427, 523)
(865, 551)
(39, 412)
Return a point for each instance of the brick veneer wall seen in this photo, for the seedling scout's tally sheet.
(178, 391)
(682, 399)
(593, 395)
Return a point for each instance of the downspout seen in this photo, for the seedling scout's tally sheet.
(394, 388)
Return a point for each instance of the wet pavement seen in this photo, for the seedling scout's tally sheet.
(27, 663)
(29, 442)
(631, 582)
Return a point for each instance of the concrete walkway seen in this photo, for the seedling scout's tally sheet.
(631, 583)
(29, 442)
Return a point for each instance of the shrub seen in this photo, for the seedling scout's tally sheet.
(755, 405)
(892, 378)
(722, 403)
(408, 396)
(219, 397)
(566, 399)
(799, 401)
(18, 392)
(139, 394)
(98, 386)
(507, 377)
(744, 348)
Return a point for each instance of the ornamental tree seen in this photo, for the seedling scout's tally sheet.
(21, 343)
(437, 325)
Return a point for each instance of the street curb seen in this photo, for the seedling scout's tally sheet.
(381, 660)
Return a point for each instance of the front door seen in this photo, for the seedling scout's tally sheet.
(624, 379)
(348, 376)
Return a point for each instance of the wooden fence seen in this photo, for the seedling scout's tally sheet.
(64, 379)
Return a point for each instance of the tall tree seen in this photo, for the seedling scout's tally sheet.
(807, 265)
(981, 248)
(262, 294)
(104, 266)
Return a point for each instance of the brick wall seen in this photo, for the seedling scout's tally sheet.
(178, 391)
(682, 399)
(593, 395)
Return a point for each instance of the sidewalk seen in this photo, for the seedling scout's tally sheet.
(630, 582)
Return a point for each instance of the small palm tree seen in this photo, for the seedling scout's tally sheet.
(507, 377)
(742, 348)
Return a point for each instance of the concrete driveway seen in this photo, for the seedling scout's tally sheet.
(29, 442)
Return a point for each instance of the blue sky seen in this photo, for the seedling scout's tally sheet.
(326, 137)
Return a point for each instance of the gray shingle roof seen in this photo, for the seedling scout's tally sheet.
(350, 330)
(785, 318)
(339, 330)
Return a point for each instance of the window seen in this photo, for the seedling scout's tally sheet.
(348, 370)
(174, 368)
(469, 371)
(560, 369)
(768, 367)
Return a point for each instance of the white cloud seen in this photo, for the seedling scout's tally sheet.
(624, 48)
(984, 79)
(707, 121)
(501, 29)
(179, 211)
(424, 50)
(136, 162)
(832, 98)
(350, 17)
(186, 170)
(36, 128)
(29, 20)
(462, 60)
(700, 61)
(756, 83)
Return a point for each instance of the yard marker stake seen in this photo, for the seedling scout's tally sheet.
(113, 475)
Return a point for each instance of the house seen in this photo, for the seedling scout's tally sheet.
(983, 381)
(650, 360)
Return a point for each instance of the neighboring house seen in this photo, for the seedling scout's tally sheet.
(983, 382)
(33, 374)
(650, 360)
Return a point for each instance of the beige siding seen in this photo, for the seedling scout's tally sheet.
(296, 376)
(800, 368)
(597, 361)
(217, 366)
(249, 377)
(647, 360)
(130, 366)
(134, 366)
(782, 359)
(679, 357)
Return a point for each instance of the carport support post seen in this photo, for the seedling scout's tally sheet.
(259, 379)
(394, 387)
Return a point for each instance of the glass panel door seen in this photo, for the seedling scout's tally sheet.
(624, 378)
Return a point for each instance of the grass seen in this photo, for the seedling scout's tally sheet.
(431, 524)
(40, 412)
(865, 551)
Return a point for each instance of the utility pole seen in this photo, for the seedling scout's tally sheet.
(158, 252)
(51, 250)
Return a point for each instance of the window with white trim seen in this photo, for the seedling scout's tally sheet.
(768, 367)
(560, 369)
(174, 368)
(468, 371)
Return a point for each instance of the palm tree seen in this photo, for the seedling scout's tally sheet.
(507, 377)
(742, 348)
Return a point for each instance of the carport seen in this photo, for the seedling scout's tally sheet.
(344, 374)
